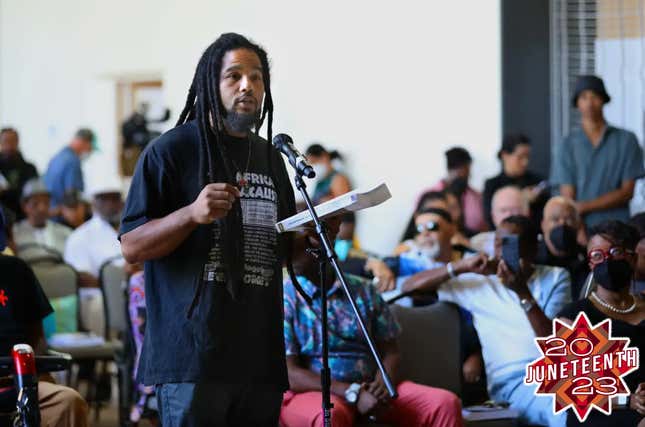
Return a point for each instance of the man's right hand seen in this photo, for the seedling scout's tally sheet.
(214, 202)
(367, 402)
(473, 264)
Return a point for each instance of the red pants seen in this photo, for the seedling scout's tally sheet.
(417, 405)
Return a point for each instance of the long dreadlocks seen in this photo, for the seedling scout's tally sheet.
(204, 104)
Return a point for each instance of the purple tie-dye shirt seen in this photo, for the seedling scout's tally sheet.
(349, 356)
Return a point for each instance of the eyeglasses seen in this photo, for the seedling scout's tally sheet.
(428, 226)
(596, 256)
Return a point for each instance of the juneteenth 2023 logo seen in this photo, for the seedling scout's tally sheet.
(582, 366)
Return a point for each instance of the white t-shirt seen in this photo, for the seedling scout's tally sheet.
(504, 330)
(91, 244)
(484, 242)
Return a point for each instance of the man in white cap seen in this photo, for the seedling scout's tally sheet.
(37, 228)
(91, 245)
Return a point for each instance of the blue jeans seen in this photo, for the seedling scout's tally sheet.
(210, 404)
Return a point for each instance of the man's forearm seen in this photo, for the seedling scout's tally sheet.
(426, 281)
(391, 363)
(157, 238)
(302, 380)
(613, 199)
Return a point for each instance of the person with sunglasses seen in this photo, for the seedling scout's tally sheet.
(612, 259)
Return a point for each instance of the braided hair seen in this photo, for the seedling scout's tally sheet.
(204, 104)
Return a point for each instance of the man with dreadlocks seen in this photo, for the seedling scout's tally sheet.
(201, 213)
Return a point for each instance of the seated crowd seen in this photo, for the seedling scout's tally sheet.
(577, 251)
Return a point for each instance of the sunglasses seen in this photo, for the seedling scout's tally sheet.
(596, 256)
(428, 226)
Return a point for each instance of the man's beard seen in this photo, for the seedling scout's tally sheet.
(241, 122)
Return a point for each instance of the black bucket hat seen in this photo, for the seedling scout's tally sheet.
(592, 83)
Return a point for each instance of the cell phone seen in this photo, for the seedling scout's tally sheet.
(511, 252)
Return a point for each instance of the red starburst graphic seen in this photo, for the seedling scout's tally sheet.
(582, 366)
(3, 298)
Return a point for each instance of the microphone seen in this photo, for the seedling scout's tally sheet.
(26, 381)
(284, 144)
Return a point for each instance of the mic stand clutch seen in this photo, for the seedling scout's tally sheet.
(328, 256)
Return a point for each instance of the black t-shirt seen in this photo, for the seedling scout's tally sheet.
(22, 302)
(227, 341)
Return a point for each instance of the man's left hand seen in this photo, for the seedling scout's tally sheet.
(517, 282)
(377, 389)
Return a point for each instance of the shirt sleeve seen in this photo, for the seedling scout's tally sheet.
(459, 291)
(77, 255)
(560, 294)
(563, 169)
(634, 166)
(384, 325)
(144, 201)
(292, 348)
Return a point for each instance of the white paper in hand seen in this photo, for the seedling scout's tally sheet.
(349, 202)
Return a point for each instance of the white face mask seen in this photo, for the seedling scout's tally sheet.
(321, 170)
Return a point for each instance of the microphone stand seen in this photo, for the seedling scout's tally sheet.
(328, 255)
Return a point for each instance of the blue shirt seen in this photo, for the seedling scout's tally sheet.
(63, 174)
(349, 357)
(595, 171)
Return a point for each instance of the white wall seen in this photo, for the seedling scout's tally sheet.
(391, 84)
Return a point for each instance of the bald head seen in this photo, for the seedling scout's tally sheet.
(508, 201)
(560, 212)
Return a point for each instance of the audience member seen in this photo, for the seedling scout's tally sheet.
(64, 171)
(638, 222)
(597, 164)
(91, 245)
(514, 155)
(14, 169)
(96, 241)
(432, 248)
(23, 307)
(37, 228)
(507, 201)
(74, 211)
(559, 245)
(454, 208)
(430, 199)
(458, 163)
(612, 260)
(509, 311)
(358, 390)
(330, 183)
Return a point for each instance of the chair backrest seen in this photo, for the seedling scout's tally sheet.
(56, 278)
(113, 282)
(429, 345)
(35, 252)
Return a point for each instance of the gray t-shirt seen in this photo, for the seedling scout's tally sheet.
(595, 171)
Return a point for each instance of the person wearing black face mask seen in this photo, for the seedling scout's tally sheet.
(559, 241)
(612, 260)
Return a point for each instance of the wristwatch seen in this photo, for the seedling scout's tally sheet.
(352, 392)
(527, 304)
